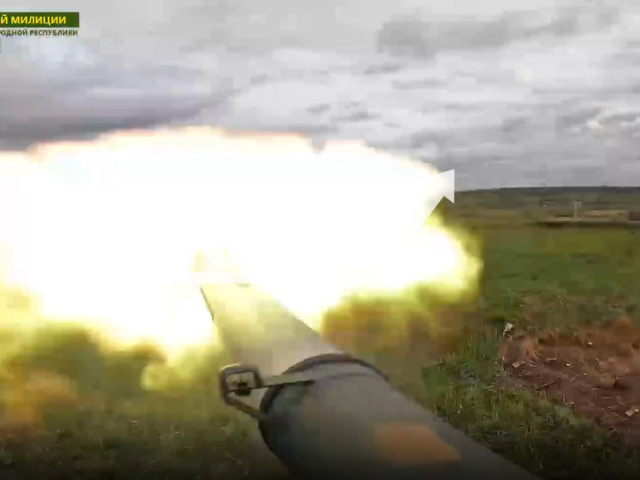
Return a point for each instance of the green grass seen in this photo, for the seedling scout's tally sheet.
(178, 439)
(548, 277)
(116, 429)
(534, 278)
(537, 278)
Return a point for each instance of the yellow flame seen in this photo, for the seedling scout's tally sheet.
(105, 232)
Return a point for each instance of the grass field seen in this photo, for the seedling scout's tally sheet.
(537, 279)
(88, 417)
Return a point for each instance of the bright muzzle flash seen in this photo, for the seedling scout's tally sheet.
(105, 232)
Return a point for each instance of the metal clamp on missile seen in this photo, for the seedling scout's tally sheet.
(240, 380)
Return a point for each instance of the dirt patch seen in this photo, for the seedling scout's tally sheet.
(595, 371)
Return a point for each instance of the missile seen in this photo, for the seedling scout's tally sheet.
(326, 414)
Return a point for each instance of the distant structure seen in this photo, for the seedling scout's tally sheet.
(551, 204)
(634, 215)
(576, 208)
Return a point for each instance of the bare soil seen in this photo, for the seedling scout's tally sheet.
(593, 370)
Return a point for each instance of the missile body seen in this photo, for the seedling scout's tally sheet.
(349, 422)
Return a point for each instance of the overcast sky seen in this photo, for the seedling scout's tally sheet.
(507, 93)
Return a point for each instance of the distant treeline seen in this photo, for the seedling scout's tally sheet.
(592, 198)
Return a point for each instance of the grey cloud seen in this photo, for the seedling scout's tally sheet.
(359, 116)
(63, 121)
(413, 36)
(514, 125)
(405, 36)
(46, 113)
(468, 109)
(497, 175)
(311, 129)
(229, 25)
(47, 100)
(421, 139)
(314, 130)
(419, 84)
(561, 26)
(619, 119)
(625, 156)
(585, 174)
(578, 118)
(319, 109)
(383, 68)
(574, 20)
